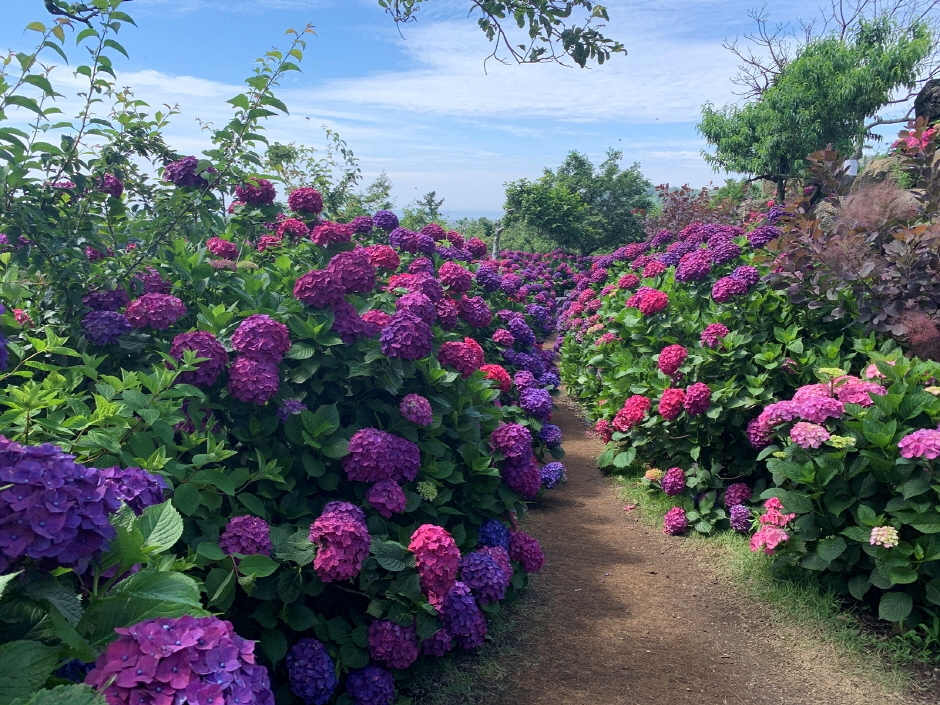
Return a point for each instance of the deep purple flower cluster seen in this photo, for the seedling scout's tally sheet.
(463, 618)
(488, 278)
(385, 220)
(305, 200)
(371, 685)
(387, 498)
(183, 660)
(537, 402)
(747, 274)
(550, 435)
(103, 327)
(727, 288)
(663, 237)
(675, 522)
(437, 558)
(261, 336)
(406, 336)
(521, 332)
(416, 409)
(552, 474)
(526, 550)
(512, 440)
(312, 672)
(522, 475)
(510, 284)
(673, 482)
(349, 325)
(355, 272)
(256, 192)
(111, 185)
(392, 644)
(106, 300)
(253, 380)
(475, 312)
(183, 172)
(724, 251)
(759, 237)
(486, 579)
(694, 266)
(158, 311)
(52, 508)
(737, 493)
(151, 282)
(493, 532)
(740, 517)
(247, 535)
(204, 345)
(342, 539)
(418, 304)
(288, 408)
(137, 488)
(439, 644)
(376, 455)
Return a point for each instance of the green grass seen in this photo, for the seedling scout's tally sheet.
(797, 600)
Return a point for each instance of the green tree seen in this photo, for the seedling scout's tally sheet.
(426, 209)
(376, 197)
(582, 207)
(822, 97)
(537, 30)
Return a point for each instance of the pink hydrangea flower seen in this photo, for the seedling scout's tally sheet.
(675, 522)
(886, 536)
(808, 435)
(671, 359)
(670, 403)
(924, 443)
(768, 537)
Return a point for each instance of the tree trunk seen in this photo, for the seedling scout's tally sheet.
(497, 231)
(781, 191)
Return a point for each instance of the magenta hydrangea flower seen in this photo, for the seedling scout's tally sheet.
(416, 409)
(253, 380)
(455, 277)
(392, 644)
(808, 435)
(818, 409)
(653, 301)
(387, 498)
(447, 314)
(501, 336)
(406, 336)
(349, 325)
(183, 172)
(675, 522)
(137, 488)
(634, 411)
(312, 672)
(437, 558)
(418, 304)
(383, 257)
(181, 660)
(111, 185)
(670, 403)
(526, 551)
(537, 402)
(673, 482)
(151, 281)
(759, 435)
(371, 685)
(247, 535)
(265, 243)
(263, 337)
(257, 192)
(923, 443)
(466, 356)
(737, 493)
(522, 475)
(439, 644)
(376, 455)
(695, 266)
(475, 312)
(222, 248)
(727, 288)
(698, 397)
(319, 288)
(712, 334)
(305, 200)
(342, 540)
(293, 229)
(512, 440)
(206, 345)
(354, 271)
(476, 247)
(463, 618)
(103, 327)
(158, 311)
(856, 391)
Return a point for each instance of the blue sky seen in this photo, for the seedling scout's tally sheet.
(420, 105)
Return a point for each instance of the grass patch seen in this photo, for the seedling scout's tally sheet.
(795, 599)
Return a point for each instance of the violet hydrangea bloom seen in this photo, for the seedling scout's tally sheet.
(181, 660)
(550, 435)
(537, 402)
(137, 488)
(349, 325)
(152, 282)
(673, 482)
(111, 185)
(158, 311)
(319, 288)
(747, 274)
(362, 224)
(712, 334)
(438, 644)
(247, 535)
(521, 332)
(257, 192)
(510, 284)
(522, 475)
(552, 474)
(727, 288)
(455, 277)
(512, 440)
(387, 498)
(392, 644)
(486, 579)
(253, 380)
(204, 344)
(183, 172)
(416, 409)
(371, 685)
(103, 327)
(263, 337)
(417, 303)
(305, 200)
(501, 336)
(737, 493)
(354, 270)
(342, 540)
(312, 672)
(375, 455)
(493, 532)
(740, 517)
(406, 336)
(526, 550)
(475, 312)
(288, 408)
(463, 618)
(488, 278)
(385, 220)
(698, 397)
(106, 300)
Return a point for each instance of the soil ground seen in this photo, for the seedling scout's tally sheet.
(622, 614)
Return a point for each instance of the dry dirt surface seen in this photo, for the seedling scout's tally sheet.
(627, 615)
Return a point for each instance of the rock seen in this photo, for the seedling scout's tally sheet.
(826, 216)
(875, 172)
(927, 102)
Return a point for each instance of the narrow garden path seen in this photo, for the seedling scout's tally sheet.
(624, 614)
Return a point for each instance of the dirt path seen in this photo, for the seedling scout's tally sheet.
(626, 615)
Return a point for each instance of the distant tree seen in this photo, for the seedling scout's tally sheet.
(376, 197)
(424, 210)
(538, 31)
(580, 207)
(822, 97)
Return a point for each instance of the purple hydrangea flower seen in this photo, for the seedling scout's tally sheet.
(262, 337)
(183, 172)
(312, 672)
(371, 685)
(417, 303)
(106, 300)
(737, 493)
(416, 409)
(463, 618)
(510, 284)
(375, 455)
(521, 332)
(288, 408)
(394, 645)
(724, 251)
(385, 220)
(406, 336)
(747, 274)
(137, 488)
(483, 575)
(153, 310)
(493, 532)
(204, 345)
(673, 481)
(439, 644)
(522, 475)
(759, 237)
(512, 440)
(342, 539)
(103, 327)
(387, 497)
(740, 518)
(537, 402)
(488, 278)
(526, 551)
(552, 474)
(247, 535)
(475, 312)
(550, 435)
(362, 225)
(253, 380)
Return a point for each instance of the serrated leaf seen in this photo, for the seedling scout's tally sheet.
(257, 565)
(24, 668)
(161, 526)
(895, 606)
(75, 694)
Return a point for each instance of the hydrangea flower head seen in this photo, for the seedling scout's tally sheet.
(537, 402)
(698, 398)
(512, 440)
(104, 327)
(727, 288)
(768, 537)
(206, 345)
(712, 334)
(438, 644)
(675, 522)
(111, 185)
(181, 660)
(342, 540)
(257, 192)
(522, 475)
(455, 277)
(183, 173)
(247, 535)
(462, 617)
(158, 311)
(670, 403)
(634, 411)
(292, 229)
(552, 475)
(499, 375)
(416, 409)
(305, 200)
(808, 435)
(550, 435)
(406, 336)
(387, 498)
(222, 248)
(392, 644)
(501, 336)
(383, 257)
(437, 558)
(923, 443)
(475, 312)
(737, 493)
(740, 517)
(673, 482)
(137, 488)
(312, 672)
(886, 536)
(376, 455)
(526, 551)
(385, 220)
(319, 288)
(486, 579)
(818, 409)
(371, 685)
(253, 380)
(106, 300)
(493, 532)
